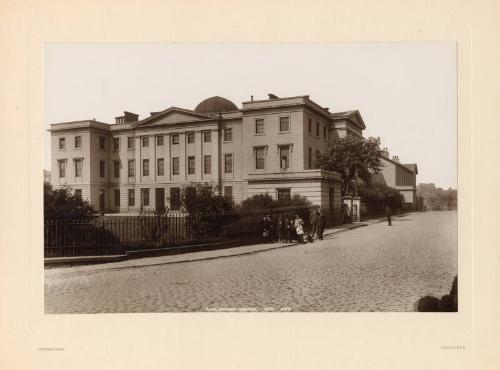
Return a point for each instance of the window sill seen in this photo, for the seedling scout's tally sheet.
(284, 132)
(260, 134)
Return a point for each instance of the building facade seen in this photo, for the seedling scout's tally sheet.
(265, 146)
(402, 177)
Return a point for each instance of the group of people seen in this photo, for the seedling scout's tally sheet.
(289, 228)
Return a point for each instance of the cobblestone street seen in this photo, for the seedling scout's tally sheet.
(372, 268)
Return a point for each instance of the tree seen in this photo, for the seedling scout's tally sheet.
(266, 201)
(63, 205)
(201, 198)
(206, 211)
(352, 155)
(381, 194)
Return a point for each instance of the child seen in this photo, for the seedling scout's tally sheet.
(299, 229)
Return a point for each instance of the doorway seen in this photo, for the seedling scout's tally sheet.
(159, 199)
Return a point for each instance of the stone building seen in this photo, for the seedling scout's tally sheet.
(402, 177)
(264, 146)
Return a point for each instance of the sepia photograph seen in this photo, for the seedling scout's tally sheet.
(316, 177)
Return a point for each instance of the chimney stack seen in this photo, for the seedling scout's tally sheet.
(251, 97)
(127, 117)
(384, 152)
(395, 158)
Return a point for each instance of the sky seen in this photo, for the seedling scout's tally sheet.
(405, 92)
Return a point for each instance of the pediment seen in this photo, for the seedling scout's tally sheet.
(172, 115)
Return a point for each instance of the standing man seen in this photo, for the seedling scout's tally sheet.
(388, 213)
(313, 219)
(320, 225)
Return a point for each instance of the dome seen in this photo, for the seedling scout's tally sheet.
(215, 104)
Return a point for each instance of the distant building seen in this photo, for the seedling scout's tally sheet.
(402, 177)
(265, 146)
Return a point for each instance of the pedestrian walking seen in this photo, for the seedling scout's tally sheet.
(313, 220)
(299, 229)
(388, 213)
(320, 225)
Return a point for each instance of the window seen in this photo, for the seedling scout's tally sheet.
(284, 157)
(159, 140)
(145, 196)
(116, 144)
(310, 126)
(190, 137)
(102, 168)
(62, 143)
(207, 136)
(207, 164)
(175, 139)
(145, 141)
(145, 167)
(131, 197)
(130, 143)
(175, 199)
(78, 167)
(284, 194)
(228, 192)
(259, 126)
(228, 134)
(228, 163)
(309, 157)
(102, 142)
(78, 142)
(131, 168)
(116, 169)
(117, 197)
(284, 124)
(78, 193)
(259, 158)
(175, 165)
(160, 167)
(324, 132)
(191, 165)
(317, 128)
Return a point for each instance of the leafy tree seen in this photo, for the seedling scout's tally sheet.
(206, 211)
(350, 155)
(378, 193)
(266, 201)
(201, 198)
(63, 205)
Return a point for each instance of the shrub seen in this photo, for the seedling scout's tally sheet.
(376, 192)
(266, 201)
(62, 205)
(202, 205)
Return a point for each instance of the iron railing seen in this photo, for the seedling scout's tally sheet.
(115, 234)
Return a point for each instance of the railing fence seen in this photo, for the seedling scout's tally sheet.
(115, 235)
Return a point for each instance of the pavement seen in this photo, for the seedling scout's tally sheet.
(371, 268)
(202, 255)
